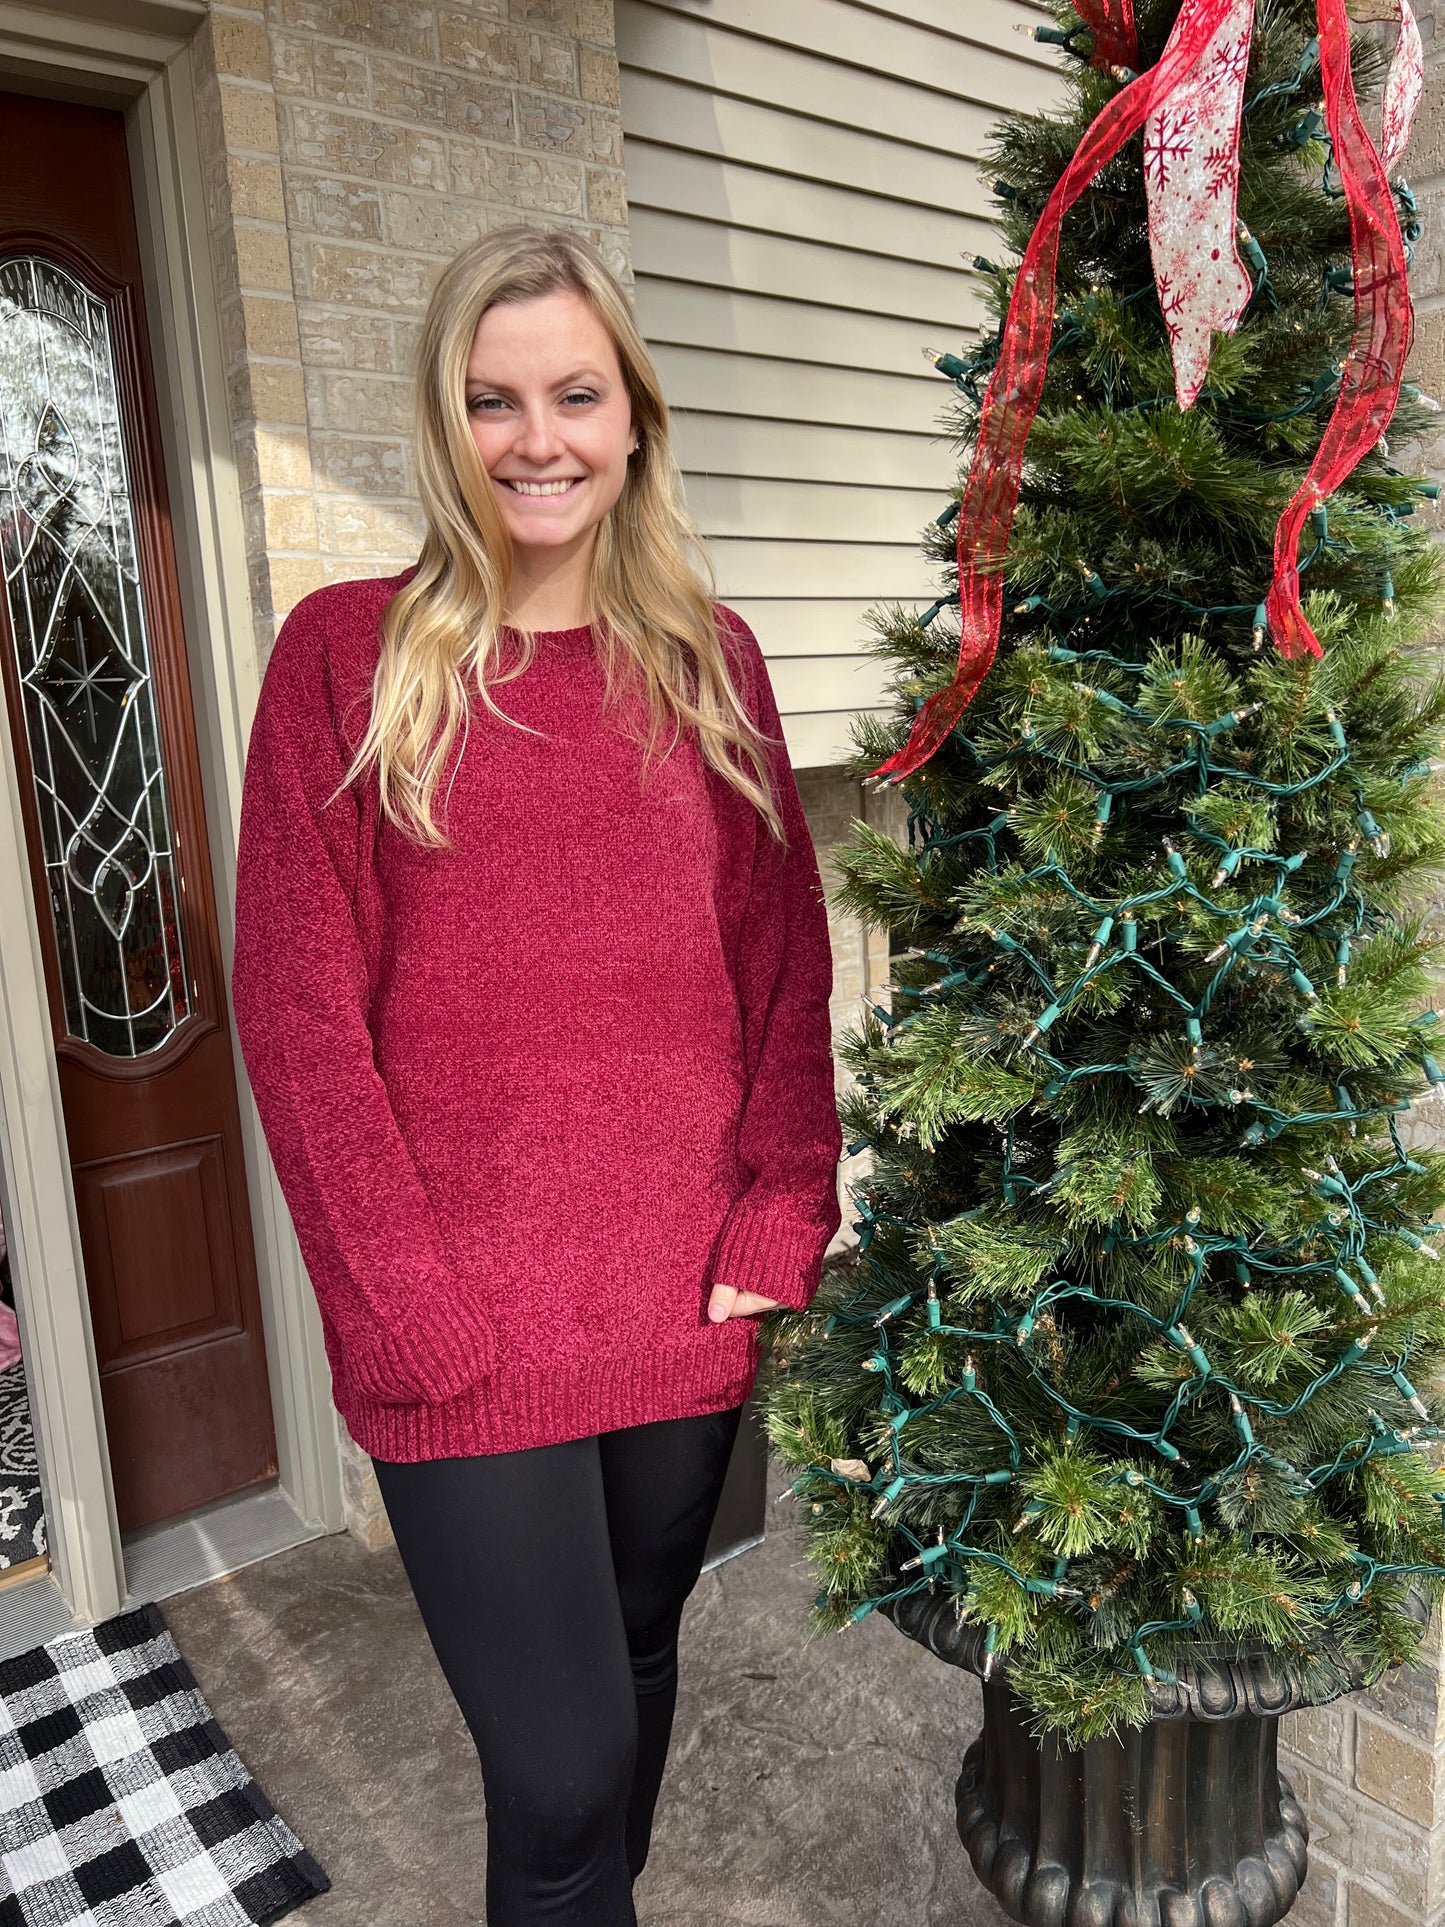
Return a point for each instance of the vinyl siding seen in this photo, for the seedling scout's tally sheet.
(802, 179)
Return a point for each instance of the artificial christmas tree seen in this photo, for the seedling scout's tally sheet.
(1121, 1401)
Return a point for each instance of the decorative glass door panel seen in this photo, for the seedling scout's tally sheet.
(96, 688)
(72, 584)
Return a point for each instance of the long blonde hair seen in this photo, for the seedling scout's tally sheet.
(651, 586)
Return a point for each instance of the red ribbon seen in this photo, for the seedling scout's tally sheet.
(1367, 396)
(1011, 399)
(1384, 328)
(1111, 22)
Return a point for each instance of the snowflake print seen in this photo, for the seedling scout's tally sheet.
(1219, 171)
(1167, 143)
(1171, 305)
(1231, 62)
(1393, 134)
(1403, 87)
(1191, 167)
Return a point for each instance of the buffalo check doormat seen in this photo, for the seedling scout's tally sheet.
(121, 1801)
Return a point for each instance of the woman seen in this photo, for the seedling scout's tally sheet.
(535, 1008)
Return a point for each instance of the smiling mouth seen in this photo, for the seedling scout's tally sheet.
(543, 491)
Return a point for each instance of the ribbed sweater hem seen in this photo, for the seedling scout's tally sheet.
(512, 1410)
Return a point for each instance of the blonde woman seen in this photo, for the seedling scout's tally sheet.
(532, 976)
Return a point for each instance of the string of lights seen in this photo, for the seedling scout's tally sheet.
(1257, 932)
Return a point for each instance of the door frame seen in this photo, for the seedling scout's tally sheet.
(133, 55)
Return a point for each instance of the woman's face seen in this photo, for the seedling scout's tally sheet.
(551, 418)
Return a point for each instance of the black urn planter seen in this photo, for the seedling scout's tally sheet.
(1186, 1822)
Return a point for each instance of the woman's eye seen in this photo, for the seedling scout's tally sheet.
(489, 404)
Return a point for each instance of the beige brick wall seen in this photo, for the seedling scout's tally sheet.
(1370, 1771)
(1425, 167)
(860, 956)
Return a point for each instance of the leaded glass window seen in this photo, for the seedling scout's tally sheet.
(67, 538)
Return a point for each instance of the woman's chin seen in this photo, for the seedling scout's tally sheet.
(539, 540)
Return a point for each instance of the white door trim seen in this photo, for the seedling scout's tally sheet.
(225, 685)
(43, 1235)
(134, 54)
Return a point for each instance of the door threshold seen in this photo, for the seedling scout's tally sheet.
(27, 1570)
(173, 1558)
(167, 1560)
(31, 1614)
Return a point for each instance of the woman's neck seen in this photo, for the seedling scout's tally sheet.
(557, 599)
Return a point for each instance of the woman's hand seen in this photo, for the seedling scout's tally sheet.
(728, 1302)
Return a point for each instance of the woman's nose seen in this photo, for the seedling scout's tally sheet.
(537, 438)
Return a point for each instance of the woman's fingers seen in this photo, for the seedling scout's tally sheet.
(720, 1305)
(750, 1303)
(727, 1302)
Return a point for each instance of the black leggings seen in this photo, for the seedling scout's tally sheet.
(551, 1583)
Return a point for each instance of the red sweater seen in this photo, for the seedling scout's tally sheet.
(529, 1098)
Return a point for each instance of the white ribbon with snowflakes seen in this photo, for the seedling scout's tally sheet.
(1191, 176)
(1406, 81)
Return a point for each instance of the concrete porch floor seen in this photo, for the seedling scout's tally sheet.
(810, 1783)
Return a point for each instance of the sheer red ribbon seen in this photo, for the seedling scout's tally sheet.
(1384, 327)
(1367, 395)
(1011, 399)
(1111, 22)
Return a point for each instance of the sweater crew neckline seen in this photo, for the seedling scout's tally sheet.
(574, 640)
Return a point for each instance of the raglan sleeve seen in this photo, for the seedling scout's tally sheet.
(776, 1231)
(299, 987)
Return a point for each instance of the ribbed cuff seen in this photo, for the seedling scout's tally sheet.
(430, 1362)
(763, 1249)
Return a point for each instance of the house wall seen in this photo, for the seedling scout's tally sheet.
(802, 181)
(804, 203)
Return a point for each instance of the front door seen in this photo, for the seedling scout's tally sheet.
(94, 668)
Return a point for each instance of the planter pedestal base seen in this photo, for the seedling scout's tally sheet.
(1184, 1823)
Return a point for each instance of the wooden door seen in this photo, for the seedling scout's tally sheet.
(94, 667)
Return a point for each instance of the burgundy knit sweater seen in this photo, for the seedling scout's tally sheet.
(530, 1097)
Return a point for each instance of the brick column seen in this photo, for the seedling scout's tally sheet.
(404, 131)
(1370, 1772)
(832, 800)
(245, 198)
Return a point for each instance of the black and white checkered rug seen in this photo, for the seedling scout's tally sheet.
(121, 1801)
